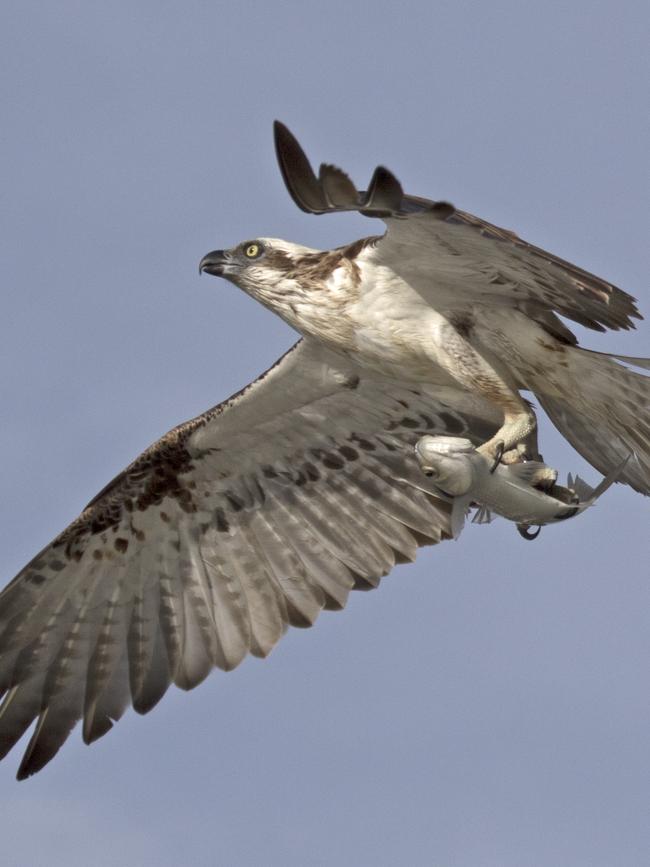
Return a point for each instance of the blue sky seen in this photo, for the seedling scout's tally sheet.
(488, 705)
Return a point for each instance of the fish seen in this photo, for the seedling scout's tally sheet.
(461, 474)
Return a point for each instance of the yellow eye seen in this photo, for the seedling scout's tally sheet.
(252, 251)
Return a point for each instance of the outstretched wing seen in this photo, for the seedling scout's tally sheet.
(247, 519)
(438, 249)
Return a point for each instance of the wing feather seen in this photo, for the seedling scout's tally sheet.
(149, 670)
(268, 615)
(257, 515)
(454, 255)
(106, 693)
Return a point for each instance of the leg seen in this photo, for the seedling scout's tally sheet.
(470, 369)
(518, 426)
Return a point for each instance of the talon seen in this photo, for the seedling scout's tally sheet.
(544, 479)
(524, 532)
(498, 454)
(565, 495)
(513, 456)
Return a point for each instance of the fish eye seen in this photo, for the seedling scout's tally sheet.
(429, 473)
(253, 250)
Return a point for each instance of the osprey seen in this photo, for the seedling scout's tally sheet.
(305, 485)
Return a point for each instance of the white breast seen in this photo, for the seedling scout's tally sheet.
(393, 325)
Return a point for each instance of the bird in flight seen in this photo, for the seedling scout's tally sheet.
(276, 503)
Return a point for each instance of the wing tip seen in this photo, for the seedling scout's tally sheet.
(332, 190)
(298, 176)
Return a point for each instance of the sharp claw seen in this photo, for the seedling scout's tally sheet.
(498, 456)
(524, 532)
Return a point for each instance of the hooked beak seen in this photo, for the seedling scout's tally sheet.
(214, 263)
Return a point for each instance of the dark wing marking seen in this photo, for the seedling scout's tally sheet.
(429, 240)
(333, 190)
(252, 517)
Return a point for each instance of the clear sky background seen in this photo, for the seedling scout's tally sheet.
(486, 706)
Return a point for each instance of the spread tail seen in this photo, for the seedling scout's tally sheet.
(605, 414)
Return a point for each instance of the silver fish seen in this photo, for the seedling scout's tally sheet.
(463, 475)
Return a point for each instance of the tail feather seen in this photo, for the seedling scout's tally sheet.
(632, 360)
(605, 414)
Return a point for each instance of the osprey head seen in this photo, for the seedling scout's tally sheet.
(300, 284)
(260, 267)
